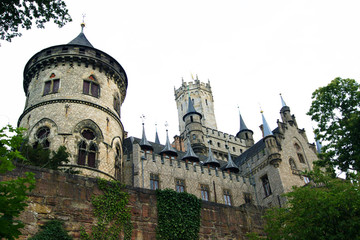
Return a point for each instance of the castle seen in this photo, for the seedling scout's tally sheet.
(74, 96)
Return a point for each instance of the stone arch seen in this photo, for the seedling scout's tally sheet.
(88, 123)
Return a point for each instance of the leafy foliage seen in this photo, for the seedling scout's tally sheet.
(327, 210)
(44, 158)
(13, 193)
(21, 13)
(178, 215)
(113, 217)
(336, 109)
(52, 230)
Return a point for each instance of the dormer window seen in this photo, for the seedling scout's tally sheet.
(91, 87)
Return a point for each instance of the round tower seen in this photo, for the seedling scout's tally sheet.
(74, 94)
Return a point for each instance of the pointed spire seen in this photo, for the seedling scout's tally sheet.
(231, 166)
(242, 123)
(190, 155)
(144, 144)
(210, 159)
(266, 127)
(157, 141)
(81, 39)
(191, 110)
(282, 101)
(168, 149)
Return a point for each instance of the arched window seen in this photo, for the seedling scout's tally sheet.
(91, 87)
(292, 164)
(42, 137)
(87, 149)
(301, 158)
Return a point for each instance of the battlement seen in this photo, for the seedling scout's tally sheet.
(195, 85)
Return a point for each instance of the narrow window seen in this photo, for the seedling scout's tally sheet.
(180, 185)
(206, 102)
(51, 86)
(227, 197)
(117, 104)
(218, 144)
(204, 192)
(247, 198)
(301, 158)
(191, 119)
(91, 87)
(266, 185)
(154, 181)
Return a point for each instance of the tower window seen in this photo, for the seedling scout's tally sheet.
(301, 158)
(227, 197)
(51, 86)
(87, 149)
(204, 192)
(42, 137)
(117, 104)
(206, 102)
(218, 144)
(154, 181)
(191, 119)
(247, 198)
(266, 185)
(90, 87)
(180, 185)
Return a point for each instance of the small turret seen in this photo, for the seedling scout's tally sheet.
(157, 141)
(211, 161)
(245, 133)
(271, 144)
(285, 113)
(190, 155)
(231, 166)
(168, 149)
(144, 144)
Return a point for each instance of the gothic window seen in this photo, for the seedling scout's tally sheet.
(42, 137)
(266, 185)
(301, 158)
(297, 147)
(154, 181)
(227, 197)
(292, 163)
(117, 104)
(180, 185)
(247, 198)
(91, 87)
(204, 192)
(87, 149)
(51, 86)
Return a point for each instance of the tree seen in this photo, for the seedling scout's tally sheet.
(21, 13)
(13, 193)
(336, 109)
(52, 230)
(328, 209)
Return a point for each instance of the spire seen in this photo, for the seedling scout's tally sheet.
(282, 101)
(191, 109)
(168, 149)
(211, 160)
(266, 127)
(144, 144)
(231, 166)
(242, 123)
(190, 155)
(81, 39)
(157, 141)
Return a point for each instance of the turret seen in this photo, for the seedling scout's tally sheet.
(211, 161)
(193, 128)
(245, 133)
(286, 114)
(144, 144)
(271, 144)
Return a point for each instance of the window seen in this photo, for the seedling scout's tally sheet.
(51, 86)
(206, 102)
(247, 198)
(234, 150)
(227, 197)
(218, 144)
(194, 136)
(292, 163)
(306, 180)
(204, 192)
(42, 137)
(117, 104)
(117, 161)
(180, 185)
(266, 185)
(154, 181)
(87, 149)
(301, 158)
(82, 50)
(191, 119)
(90, 87)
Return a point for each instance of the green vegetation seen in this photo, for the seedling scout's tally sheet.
(52, 230)
(336, 109)
(178, 215)
(113, 217)
(21, 14)
(13, 193)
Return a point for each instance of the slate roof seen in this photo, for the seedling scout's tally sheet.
(81, 40)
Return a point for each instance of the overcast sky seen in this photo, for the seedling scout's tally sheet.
(249, 50)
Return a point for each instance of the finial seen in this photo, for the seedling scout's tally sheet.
(83, 22)
(142, 118)
(166, 125)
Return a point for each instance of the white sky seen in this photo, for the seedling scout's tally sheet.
(250, 50)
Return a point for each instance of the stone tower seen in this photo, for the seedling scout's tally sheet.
(74, 94)
(201, 95)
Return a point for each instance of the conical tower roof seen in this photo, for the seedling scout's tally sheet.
(144, 144)
(231, 166)
(157, 140)
(243, 126)
(266, 128)
(284, 107)
(211, 161)
(190, 155)
(191, 110)
(168, 149)
(81, 39)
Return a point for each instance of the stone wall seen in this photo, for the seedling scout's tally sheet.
(68, 198)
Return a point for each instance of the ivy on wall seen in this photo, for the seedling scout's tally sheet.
(52, 230)
(178, 215)
(113, 217)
